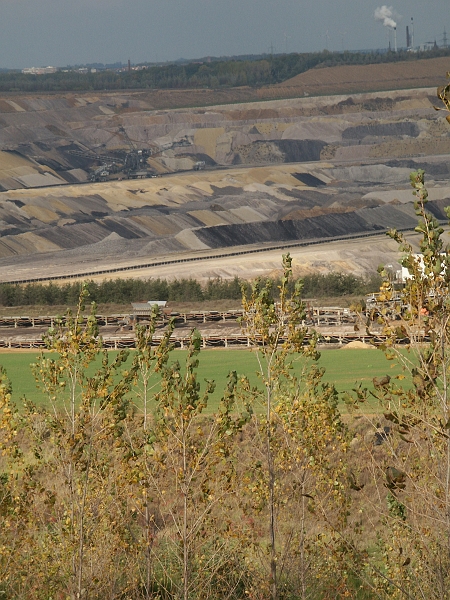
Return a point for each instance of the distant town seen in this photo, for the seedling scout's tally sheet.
(119, 67)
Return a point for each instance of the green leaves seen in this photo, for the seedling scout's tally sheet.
(395, 479)
(443, 93)
(297, 431)
(414, 461)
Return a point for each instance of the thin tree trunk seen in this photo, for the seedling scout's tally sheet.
(148, 573)
(185, 525)
(271, 469)
(273, 562)
(302, 547)
(81, 527)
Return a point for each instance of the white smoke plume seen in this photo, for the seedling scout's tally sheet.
(385, 13)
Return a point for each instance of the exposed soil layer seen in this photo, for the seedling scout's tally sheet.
(324, 226)
(350, 78)
(100, 226)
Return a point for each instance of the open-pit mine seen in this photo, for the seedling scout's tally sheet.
(111, 184)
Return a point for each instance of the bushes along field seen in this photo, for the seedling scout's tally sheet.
(124, 291)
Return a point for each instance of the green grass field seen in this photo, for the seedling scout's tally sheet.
(345, 368)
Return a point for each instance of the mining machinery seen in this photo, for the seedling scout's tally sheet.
(135, 160)
(132, 163)
(108, 166)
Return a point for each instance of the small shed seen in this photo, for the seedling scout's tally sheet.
(144, 309)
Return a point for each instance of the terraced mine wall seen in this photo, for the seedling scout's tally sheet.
(57, 139)
(118, 226)
(332, 226)
(275, 172)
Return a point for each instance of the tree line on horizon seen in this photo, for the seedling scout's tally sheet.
(124, 291)
(214, 75)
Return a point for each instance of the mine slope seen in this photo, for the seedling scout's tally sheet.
(276, 171)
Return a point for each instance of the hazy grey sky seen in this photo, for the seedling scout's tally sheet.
(62, 32)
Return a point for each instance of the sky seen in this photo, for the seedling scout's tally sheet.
(69, 32)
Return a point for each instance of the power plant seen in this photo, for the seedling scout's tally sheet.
(385, 14)
(410, 36)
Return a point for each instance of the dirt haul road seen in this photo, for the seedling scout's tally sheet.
(359, 256)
